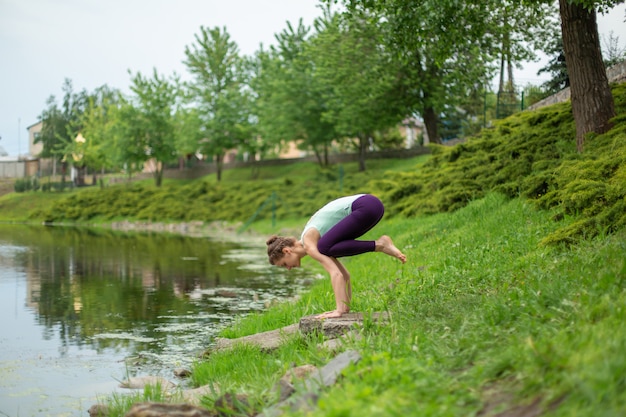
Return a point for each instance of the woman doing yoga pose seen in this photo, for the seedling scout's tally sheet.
(331, 233)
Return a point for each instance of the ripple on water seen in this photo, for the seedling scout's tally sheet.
(125, 336)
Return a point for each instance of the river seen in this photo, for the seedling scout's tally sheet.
(83, 309)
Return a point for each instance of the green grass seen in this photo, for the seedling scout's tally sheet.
(480, 306)
(16, 207)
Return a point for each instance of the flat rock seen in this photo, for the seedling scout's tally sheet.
(169, 410)
(328, 375)
(337, 343)
(324, 377)
(182, 372)
(194, 395)
(143, 381)
(332, 328)
(266, 341)
(285, 387)
(335, 327)
(98, 410)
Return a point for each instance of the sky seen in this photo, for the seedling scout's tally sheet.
(96, 42)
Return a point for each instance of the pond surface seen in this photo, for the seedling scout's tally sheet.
(83, 309)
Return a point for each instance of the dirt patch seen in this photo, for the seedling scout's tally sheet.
(504, 404)
(215, 229)
(6, 186)
(500, 405)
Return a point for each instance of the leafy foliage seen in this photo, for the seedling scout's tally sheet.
(219, 91)
(360, 79)
(533, 155)
(151, 129)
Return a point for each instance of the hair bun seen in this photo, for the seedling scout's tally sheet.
(271, 240)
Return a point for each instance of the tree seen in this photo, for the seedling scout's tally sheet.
(147, 128)
(289, 96)
(61, 126)
(189, 128)
(438, 56)
(592, 101)
(612, 52)
(521, 31)
(126, 149)
(449, 48)
(359, 79)
(220, 92)
(95, 128)
(56, 132)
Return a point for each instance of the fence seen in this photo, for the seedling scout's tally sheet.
(201, 169)
(615, 74)
(12, 169)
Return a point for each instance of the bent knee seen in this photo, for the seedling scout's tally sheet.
(324, 249)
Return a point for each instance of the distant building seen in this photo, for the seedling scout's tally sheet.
(34, 130)
(41, 166)
(414, 132)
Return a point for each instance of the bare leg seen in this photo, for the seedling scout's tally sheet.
(346, 278)
(384, 244)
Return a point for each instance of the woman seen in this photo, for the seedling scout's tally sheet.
(330, 234)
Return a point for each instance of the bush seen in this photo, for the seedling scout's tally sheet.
(23, 185)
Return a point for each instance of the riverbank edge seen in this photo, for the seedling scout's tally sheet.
(218, 229)
(224, 230)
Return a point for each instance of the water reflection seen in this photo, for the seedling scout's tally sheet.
(150, 301)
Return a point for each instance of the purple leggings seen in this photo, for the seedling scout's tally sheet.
(340, 240)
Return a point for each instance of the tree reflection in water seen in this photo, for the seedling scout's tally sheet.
(152, 296)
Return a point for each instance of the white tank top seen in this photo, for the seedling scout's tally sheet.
(329, 215)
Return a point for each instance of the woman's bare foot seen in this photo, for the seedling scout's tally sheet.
(384, 244)
(329, 315)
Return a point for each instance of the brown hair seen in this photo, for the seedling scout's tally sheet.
(276, 244)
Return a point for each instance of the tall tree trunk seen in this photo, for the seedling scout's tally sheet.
(158, 173)
(592, 101)
(326, 163)
(318, 156)
(430, 121)
(362, 148)
(219, 164)
(63, 174)
(501, 84)
(511, 82)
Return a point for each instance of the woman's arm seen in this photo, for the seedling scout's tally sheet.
(339, 277)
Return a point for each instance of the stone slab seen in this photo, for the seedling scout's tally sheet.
(267, 341)
(335, 327)
(308, 396)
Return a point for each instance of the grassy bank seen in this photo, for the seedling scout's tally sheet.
(511, 302)
(482, 317)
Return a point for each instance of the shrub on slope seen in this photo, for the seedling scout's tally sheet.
(533, 155)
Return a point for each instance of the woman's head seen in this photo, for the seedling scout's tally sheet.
(276, 247)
